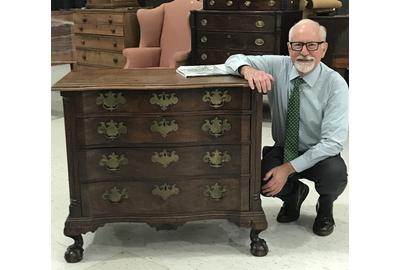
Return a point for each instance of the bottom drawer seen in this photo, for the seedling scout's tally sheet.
(164, 197)
(108, 59)
(212, 57)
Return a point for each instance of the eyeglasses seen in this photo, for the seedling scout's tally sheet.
(311, 46)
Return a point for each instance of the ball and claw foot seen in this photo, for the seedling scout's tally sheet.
(74, 252)
(258, 246)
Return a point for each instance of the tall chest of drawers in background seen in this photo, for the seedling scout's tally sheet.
(227, 27)
(101, 34)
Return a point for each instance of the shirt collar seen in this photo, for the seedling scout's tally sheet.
(310, 78)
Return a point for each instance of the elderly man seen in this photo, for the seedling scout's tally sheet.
(309, 107)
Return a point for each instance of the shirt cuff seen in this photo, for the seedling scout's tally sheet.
(300, 164)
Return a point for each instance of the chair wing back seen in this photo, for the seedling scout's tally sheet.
(151, 24)
(176, 34)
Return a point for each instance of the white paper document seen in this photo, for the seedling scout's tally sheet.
(202, 70)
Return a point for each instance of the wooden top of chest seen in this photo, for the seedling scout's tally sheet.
(140, 79)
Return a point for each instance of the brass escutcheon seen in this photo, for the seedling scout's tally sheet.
(229, 3)
(165, 191)
(271, 3)
(260, 24)
(216, 127)
(110, 100)
(216, 158)
(164, 127)
(204, 22)
(164, 100)
(113, 162)
(203, 39)
(215, 192)
(212, 2)
(115, 195)
(203, 56)
(247, 3)
(216, 98)
(111, 130)
(165, 158)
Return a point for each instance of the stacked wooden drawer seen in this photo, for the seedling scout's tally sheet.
(101, 34)
(166, 150)
(229, 27)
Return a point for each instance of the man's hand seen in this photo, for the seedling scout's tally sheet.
(277, 179)
(260, 79)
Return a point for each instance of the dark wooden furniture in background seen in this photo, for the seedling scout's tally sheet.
(248, 27)
(337, 56)
(101, 34)
(152, 146)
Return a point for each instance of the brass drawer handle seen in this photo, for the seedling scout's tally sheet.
(164, 127)
(84, 57)
(271, 3)
(164, 157)
(247, 3)
(228, 36)
(113, 162)
(216, 98)
(216, 158)
(110, 100)
(260, 24)
(84, 20)
(259, 42)
(81, 28)
(211, 3)
(83, 42)
(229, 3)
(203, 22)
(115, 195)
(164, 100)
(203, 39)
(203, 56)
(165, 191)
(115, 60)
(215, 192)
(216, 127)
(115, 44)
(113, 31)
(111, 130)
(110, 20)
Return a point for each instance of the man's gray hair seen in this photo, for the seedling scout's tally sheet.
(322, 29)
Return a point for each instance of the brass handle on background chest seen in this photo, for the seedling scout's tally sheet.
(110, 100)
(216, 158)
(165, 191)
(113, 162)
(115, 44)
(229, 3)
(84, 19)
(260, 24)
(211, 3)
(271, 3)
(164, 127)
(216, 127)
(216, 98)
(203, 39)
(165, 157)
(83, 42)
(203, 22)
(215, 192)
(259, 42)
(111, 130)
(110, 20)
(164, 100)
(247, 3)
(115, 60)
(203, 56)
(115, 195)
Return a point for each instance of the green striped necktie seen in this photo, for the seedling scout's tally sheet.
(292, 123)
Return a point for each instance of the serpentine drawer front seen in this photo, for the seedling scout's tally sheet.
(152, 146)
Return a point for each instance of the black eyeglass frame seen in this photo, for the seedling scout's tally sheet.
(307, 45)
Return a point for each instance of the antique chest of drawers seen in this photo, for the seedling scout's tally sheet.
(218, 34)
(152, 146)
(111, 3)
(251, 4)
(101, 34)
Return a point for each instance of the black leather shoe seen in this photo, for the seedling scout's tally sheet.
(323, 225)
(290, 211)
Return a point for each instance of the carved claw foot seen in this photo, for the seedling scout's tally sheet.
(74, 252)
(258, 246)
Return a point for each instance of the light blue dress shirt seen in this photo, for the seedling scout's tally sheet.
(323, 128)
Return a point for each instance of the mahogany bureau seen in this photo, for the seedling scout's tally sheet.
(228, 27)
(152, 146)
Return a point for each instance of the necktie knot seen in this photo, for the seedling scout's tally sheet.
(297, 82)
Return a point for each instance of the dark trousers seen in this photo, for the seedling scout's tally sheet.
(329, 176)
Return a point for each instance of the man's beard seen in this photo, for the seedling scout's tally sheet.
(304, 66)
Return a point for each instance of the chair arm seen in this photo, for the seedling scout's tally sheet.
(142, 57)
(180, 57)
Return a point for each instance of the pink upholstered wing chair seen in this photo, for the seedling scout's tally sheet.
(165, 36)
